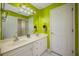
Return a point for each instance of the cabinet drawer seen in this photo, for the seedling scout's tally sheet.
(24, 50)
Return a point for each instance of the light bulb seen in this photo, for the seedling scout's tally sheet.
(31, 10)
(28, 12)
(34, 12)
(28, 9)
(21, 10)
(23, 6)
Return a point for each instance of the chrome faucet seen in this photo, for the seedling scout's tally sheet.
(16, 38)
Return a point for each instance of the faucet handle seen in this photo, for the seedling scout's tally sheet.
(0, 52)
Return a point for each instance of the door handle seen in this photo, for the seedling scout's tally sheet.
(52, 33)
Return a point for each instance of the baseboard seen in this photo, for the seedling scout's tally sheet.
(56, 53)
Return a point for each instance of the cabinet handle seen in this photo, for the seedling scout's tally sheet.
(36, 55)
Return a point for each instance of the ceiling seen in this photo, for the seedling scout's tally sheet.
(40, 5)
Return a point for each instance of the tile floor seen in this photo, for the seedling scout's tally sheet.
(47, 53)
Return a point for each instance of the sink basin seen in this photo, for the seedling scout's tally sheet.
(13, 43)
(22, 38)
(19, 42)
(38, 35)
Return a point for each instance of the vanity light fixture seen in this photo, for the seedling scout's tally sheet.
(27, 10)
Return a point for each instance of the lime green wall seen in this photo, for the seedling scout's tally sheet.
(36, 22)
(76, 29)
(0, 24)
(46, 20)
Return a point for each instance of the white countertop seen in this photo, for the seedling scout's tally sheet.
(8, 44)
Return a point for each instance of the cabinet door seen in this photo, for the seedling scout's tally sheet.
(35, 48)
(39, 46)
(22, 51)
(42, 46)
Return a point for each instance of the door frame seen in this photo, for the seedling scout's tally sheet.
(73, 27)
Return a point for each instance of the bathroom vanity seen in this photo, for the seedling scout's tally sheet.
(34, 45)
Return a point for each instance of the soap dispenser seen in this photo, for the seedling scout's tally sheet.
(44, 28)
(35, 28)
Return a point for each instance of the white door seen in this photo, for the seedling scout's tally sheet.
(61, 29)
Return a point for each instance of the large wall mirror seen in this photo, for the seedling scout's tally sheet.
(14, 26)
(9, 27)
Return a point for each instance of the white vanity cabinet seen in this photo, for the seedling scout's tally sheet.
(35, 48)
(39, 47)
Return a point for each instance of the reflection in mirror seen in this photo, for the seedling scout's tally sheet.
(25, 26)
(16, 27)
(21, 27)
(9, 27)
(30, 25)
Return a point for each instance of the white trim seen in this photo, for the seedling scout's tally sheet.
(73, 18)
